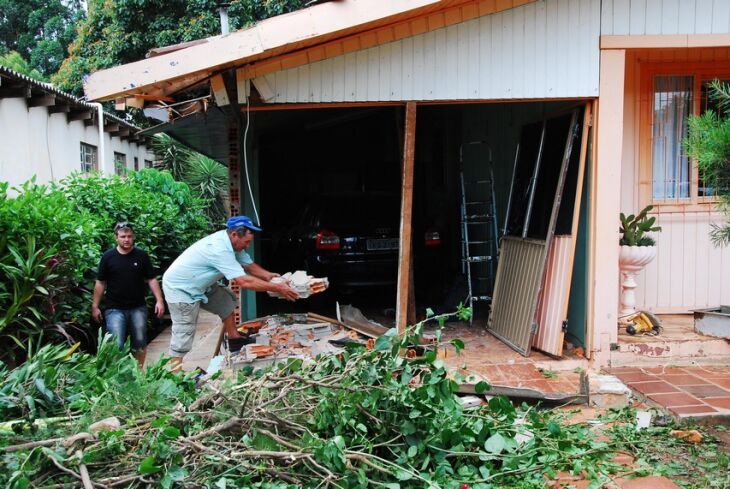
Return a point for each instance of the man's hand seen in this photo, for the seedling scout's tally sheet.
(287, 292)
(271, 275)
(96, 313)
(159, 309)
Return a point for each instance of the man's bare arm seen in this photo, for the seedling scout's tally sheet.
(99, 288)
(251, 282)
(259, 272)
(159, 301)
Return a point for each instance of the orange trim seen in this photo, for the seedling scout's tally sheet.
(665, 41)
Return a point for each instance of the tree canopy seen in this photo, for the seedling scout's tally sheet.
(123, 31)
(40, 31)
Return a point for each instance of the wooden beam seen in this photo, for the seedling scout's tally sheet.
(15, 92)
(406, 211)
(111, 127)
(122, 132)
(45, 100)
(218, 87)
(56, 109)
(80, 115)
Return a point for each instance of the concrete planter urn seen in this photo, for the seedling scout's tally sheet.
(632, 260)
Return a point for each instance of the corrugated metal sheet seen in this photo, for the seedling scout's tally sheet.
(650, 17)
(553, 309)
(540, 50)
(516, 288)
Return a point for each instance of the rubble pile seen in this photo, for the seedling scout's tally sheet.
(283, 336)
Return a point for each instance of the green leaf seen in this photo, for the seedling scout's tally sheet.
(147, 466)
(383, 343)
(160, 422)
(412, 451)
(495, 444)
(458, 344)
(481, 387)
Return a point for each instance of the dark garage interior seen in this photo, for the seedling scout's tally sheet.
(307, 159)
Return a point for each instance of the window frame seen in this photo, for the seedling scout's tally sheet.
(700, 71)
(94, 152)
(123, 166)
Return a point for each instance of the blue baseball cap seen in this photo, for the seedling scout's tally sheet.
(236, 222)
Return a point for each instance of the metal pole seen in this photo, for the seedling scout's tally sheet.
(511, 190)
(533, 181)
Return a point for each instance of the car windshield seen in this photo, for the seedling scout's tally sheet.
(358, 212)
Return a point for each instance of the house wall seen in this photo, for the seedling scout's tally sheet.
(541, 50)
(34, 142)
(689, 271)
(665, 17)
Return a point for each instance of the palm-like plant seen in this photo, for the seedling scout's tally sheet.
(206, 177)
(708, 143)
(209, 180)
(171, 155)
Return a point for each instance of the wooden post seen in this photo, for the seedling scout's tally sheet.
(405, 277)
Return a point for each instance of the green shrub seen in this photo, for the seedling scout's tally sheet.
(52, 236)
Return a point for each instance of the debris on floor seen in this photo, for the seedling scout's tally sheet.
(305, 285)
(266, 340)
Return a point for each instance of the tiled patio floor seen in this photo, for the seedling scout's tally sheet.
(484, 357)
(684, 391)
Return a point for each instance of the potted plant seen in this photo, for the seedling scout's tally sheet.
(637, 250)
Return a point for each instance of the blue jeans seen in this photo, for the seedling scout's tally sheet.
(119, 321)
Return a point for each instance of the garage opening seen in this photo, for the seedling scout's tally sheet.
(329, 200)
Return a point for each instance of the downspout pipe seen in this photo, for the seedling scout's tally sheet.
(102, 149)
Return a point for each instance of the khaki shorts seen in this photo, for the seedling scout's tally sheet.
(221, 301)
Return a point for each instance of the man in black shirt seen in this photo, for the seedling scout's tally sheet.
(123, 271)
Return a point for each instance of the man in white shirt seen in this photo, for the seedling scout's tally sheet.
(191, 282)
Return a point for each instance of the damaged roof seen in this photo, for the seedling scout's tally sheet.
(285, 41)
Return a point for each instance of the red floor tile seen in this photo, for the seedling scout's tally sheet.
(664, 370)
(719, 402)
(699, 409)
(703, 391)
(683, 379)
(722, 382)
(636, 377)
(673, 399)
(624, 370)
(651, 482)
(653, 387)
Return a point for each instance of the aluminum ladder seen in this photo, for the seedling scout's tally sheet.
(479, 228)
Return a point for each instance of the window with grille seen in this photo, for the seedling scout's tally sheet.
(672, 93)
(89, 158)
(120, 164)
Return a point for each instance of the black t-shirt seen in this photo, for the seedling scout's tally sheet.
(125, 277)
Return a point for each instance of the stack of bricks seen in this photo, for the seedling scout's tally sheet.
(234, 179)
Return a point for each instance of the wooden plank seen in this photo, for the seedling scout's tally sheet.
(15, 92)
(404, 253)
(45, 100)
(219, 90)
(56, 109)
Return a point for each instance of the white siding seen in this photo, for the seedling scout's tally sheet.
(541, 50)
(34, 143)
(689, 272)
(648, 17)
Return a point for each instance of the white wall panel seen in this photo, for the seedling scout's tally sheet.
(689, 271)
(542, 50)
(649, 17)
(34, 143)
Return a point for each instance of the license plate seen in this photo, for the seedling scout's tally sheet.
(382, 244)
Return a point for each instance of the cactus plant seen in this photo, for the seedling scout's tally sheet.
(634, 228)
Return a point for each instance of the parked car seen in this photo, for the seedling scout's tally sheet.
(351, 238)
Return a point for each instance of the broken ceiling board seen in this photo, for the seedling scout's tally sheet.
(284, 36)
